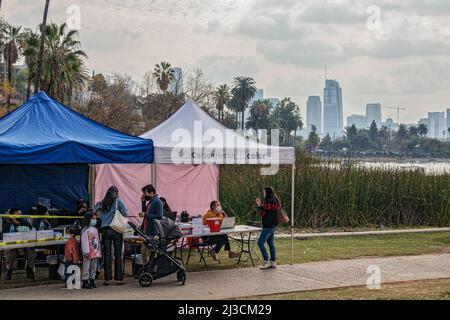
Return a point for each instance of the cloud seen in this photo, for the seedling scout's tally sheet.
(225, 69)
(333, 13)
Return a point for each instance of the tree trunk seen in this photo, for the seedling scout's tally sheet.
(243, 111)
(29, 87)
(37, 81)
(8, 97)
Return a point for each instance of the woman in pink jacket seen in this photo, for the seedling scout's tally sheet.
(91, 248)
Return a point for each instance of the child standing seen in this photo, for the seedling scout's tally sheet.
(71, 252)
(90, 245)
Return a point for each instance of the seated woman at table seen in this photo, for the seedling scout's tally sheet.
(167, 212)
(218, 241)
(42, 223)
(18, 225)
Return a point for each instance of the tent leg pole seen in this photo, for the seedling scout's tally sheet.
(153, 166)
(92, 176)
(292, 212)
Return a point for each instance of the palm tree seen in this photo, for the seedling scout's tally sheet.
(164, 74)
(287, 118)
(11, 55)
(243, 92)
(30, 49)
(37, 81)
(62, 62)
(422, 130)
(259, 116)
(229, 120)
(3, 30)
(221, 96)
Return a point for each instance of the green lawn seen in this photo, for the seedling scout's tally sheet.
(312, 249)
(417, 290)
(334, 248)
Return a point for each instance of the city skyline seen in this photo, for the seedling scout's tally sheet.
(283, 45)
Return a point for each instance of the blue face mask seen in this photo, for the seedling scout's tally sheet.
(93, 222)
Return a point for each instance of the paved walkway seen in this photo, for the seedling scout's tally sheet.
(361, 233)
(222, 284)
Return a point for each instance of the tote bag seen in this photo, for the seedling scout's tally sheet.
(282, 216)
(119, 222)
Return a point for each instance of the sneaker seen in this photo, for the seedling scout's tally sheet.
(233, 255)
(120, 283)
(266, 265)
(273, 264)
(86, 284)
(106, 283)
(92, 283)
(213, 254)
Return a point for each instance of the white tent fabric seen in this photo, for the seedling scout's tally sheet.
(192, 136)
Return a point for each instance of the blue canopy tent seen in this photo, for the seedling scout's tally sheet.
(44, 136)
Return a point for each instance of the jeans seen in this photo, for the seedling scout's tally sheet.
(113, 238)
(218, 242)
(11, 258)
(267, 235)
(89, 269)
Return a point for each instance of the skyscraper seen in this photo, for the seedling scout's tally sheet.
(358, 120)
(333, 113)
(314, 113)
(448, 122)
(373, 113)
(437, 124)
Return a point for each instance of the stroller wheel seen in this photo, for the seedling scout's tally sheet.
(145, 279)
(181, 277)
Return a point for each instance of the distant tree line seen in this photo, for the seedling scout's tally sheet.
(409, 141)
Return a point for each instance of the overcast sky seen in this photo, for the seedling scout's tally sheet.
(282, 44)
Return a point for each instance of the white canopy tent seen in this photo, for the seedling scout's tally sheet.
(192, 136)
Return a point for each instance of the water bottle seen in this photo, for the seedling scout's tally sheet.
(12, 229)
(41, 225)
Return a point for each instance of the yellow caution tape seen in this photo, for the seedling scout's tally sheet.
(38, 217)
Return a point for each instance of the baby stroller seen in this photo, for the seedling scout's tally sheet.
(164, 244)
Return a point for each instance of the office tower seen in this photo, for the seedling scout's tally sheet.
(373, 113)
(333, 114)
(314, 113)
(437, 124)
(448, 123)
(358, 120)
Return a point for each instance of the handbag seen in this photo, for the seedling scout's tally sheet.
(282, 216)
(62, 271)
(119, 222)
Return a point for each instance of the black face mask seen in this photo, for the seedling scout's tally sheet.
(148, 198)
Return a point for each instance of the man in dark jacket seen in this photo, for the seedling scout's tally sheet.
(18, 225)
(154, 210)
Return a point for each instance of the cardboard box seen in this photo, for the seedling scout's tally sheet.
(43, 235)
(29, 236)
(15, 237)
